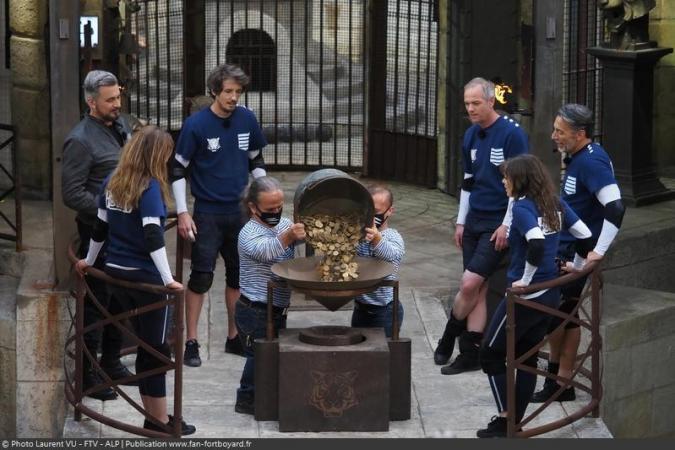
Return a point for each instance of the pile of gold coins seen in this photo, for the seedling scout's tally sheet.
(336, 238)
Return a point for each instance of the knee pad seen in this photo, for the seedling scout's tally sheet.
(145, 361)
(200, 282)
(232, 277)
(492, 362)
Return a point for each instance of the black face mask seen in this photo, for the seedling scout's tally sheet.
(380, 219)
(268, 218)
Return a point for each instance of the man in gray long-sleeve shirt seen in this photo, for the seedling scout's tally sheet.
(90, 153)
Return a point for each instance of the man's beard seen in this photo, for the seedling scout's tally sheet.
(112, 116)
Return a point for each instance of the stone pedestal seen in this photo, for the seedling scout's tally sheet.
(334, 388)
(628, 97)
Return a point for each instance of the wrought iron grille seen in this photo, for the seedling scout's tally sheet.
(582, 73)
(306, 63)
(412, 67)
(155, 78)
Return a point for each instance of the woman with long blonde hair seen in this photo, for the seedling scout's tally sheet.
(131, 215)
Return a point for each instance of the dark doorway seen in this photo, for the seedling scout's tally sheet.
(254, 51)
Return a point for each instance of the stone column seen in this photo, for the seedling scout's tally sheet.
(30, 94)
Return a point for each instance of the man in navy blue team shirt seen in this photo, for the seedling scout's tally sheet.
(590, 189)
(483, 221)
(218, 146)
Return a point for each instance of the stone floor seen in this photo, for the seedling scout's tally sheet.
(442, 406)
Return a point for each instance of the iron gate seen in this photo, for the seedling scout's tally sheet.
(305, 59)
(307, 63)
(402, 91)
(153, 70)
(582, 72)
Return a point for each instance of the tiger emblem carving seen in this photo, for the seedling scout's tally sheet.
(333, 393)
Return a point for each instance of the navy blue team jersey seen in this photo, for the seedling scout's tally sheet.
(589, 170)
(481, 157)
(526, 217)
(218, 151)
(127, 247)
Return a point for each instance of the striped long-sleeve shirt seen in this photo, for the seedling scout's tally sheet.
(259, 249)
(391, 249)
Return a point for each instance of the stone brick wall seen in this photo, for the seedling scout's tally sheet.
(662, 30)
(638, 362)
(30, 94)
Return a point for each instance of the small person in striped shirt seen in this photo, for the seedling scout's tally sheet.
(267, 238)
(375, 309)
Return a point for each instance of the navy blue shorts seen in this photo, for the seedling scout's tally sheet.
(217, 233)
(479, 252)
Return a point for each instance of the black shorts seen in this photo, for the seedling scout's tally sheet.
(569, 293)
(478, 251)
(217, 234)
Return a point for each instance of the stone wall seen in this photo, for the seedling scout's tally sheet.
(30, 96)
(638, 362)
(42, 322)
(662, 30)
(10, 272)
(34, 321)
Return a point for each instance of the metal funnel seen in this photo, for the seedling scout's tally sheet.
(302, 275)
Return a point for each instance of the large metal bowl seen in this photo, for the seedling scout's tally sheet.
(302, 274)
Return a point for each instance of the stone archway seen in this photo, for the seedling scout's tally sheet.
(255, 52)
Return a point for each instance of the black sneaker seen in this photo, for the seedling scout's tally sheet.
(233, 345)
(463, 363)
(185, 428)
(549, 389)
(495, 429)
(117, 371)
(90, 379)
(444, 350)
(244, 408)
(191, 356)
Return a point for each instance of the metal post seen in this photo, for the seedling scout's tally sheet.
(595, 340)
(79, 343)
(179, 299)
(510, 366)
(394, 330)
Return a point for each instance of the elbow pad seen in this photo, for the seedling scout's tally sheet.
(176, 170)
(535, 251)
(467, 184)
(614, 212)
(100, 231)
(257, 162)
(154, 239)
(583, 246)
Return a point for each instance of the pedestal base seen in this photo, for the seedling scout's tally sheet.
(339, 388)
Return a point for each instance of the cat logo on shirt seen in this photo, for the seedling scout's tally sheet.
(110, 203)
(546, 230)
(473, 154)
(213, 144)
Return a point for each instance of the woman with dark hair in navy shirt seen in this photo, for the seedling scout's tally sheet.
(538, 218)
(131, 214)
